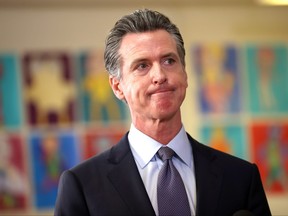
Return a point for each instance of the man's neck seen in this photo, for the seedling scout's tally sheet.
(161, 131)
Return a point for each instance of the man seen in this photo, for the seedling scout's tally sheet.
(145, 58)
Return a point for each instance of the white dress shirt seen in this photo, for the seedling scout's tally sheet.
(144, 149)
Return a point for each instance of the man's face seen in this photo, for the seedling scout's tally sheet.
(153, 79)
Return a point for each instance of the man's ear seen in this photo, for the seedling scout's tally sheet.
(186, 79)
(116, 87)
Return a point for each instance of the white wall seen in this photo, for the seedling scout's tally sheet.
(81, 29)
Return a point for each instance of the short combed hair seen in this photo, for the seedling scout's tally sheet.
(139, 21)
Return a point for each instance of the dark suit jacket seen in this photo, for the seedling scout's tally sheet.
(110, 184)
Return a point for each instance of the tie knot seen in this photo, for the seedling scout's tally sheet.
(165, 153)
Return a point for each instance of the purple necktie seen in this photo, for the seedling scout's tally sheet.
(171, 193)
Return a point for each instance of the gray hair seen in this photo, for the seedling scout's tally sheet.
(139, 21)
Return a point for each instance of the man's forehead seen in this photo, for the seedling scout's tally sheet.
(142, 44)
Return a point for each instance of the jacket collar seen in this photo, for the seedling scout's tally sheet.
(127, 181)
(208, 177)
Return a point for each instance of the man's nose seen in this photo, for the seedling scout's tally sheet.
(159, 75)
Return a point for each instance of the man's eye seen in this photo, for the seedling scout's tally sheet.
(142, 66)
(169, 61)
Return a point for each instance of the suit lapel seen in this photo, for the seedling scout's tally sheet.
(208, 179)
(127, 180)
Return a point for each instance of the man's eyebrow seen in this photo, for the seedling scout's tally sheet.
(137, 61)
(144, 59)
(170, 54)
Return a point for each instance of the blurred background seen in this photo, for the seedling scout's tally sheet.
(57, 109)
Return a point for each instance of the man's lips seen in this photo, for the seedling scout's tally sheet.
(162, 90)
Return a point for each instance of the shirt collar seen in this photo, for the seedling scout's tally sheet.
(182, 147)
(144, 147)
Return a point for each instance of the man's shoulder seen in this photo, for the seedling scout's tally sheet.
(101, 160)
(93, 162)
(217, 156)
